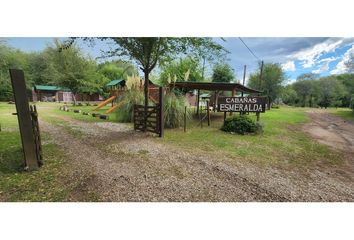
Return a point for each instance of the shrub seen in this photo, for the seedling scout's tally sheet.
(130, 98)
(174, 110)
(241, 124)
(276, 106)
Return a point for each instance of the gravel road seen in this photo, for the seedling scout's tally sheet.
(124, 165)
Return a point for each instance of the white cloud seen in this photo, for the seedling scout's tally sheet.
(289, 66)
(310, 56)
(324, 64)
(341, 68)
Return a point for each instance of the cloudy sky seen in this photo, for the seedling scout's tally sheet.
(319, 55)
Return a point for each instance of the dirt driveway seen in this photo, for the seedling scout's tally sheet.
(119, 164)
(331, 130)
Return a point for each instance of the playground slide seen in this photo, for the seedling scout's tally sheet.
(104, 103)
(112, 109)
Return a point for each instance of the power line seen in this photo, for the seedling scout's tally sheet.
(249, 49)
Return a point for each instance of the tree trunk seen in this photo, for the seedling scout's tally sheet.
(146, 95)
(74, 99)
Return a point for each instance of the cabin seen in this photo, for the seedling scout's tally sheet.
(46, 93)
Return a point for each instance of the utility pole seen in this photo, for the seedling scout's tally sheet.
(260, 76)
(244, 78)
(259, 88)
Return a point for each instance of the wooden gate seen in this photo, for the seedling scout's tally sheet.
(36, 134)
(152, 119)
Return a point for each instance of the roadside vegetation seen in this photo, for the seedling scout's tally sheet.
(50, 183)
(282, 144)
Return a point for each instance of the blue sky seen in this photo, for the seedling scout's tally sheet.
(320, 55)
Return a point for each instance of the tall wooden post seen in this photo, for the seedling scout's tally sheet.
(185, 119)
(24, 119)
(233, 94)
(161, 120)
(198, 102)
(208, 112)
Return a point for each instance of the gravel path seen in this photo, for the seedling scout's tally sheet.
(125, 165)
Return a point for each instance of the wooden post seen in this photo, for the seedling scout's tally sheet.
(215, 100)
(161, 120)
(258, 116)
(233, 94)
(208, 113)
(24, 119)
(185, 119)
(198, 102)
(224, 116)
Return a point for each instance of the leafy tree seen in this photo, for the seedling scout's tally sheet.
(148, 52)
(73, 69)
(11, 58)
(117, 69)
(306, 88)
(330, 92)
(289, 95)
(187, 69)
(272, 79)
(222, 72)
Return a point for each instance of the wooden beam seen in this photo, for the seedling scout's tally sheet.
(24, 119)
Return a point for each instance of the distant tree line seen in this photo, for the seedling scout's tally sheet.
(310, 90)
(69, 68)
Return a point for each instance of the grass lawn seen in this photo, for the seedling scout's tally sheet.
(345, 113)
(47, 184)
(282, 144)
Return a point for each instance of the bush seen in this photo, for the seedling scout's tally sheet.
(130, 98)
(174, 110)
(241, 124)
(276, 106)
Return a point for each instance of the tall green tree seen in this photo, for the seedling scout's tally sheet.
(222, 72)
(184, 69)
(74, 70)
(273, 77)
(148, 52)
(330, 92)
(306, 88)
(117, 69)
(11, 58)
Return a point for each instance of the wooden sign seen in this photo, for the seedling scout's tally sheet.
(242, 104)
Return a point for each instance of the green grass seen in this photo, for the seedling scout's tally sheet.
(282, 143)
(49, 183)
(345, 113)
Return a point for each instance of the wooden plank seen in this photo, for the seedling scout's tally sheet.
(161, 113)
(24, 118)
